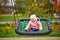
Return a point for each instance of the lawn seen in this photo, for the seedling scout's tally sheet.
(8, 17)
(4, 32)
(11, 18)
(26, 9)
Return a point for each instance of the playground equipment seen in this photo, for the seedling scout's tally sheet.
(21, 24)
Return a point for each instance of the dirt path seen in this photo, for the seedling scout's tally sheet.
(32, 38)
(6, 14)
(9, 14)
(7, 22)
(14, 22)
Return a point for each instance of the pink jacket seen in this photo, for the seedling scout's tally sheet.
(36, 25)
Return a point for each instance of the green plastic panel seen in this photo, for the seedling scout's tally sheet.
(24, 24)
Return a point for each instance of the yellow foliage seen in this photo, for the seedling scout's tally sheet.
(9, 9)
(12, 19)
(32, 4)
(8, 26)
(27, 12)
(56, 7)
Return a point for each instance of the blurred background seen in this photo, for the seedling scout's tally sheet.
(12, 10)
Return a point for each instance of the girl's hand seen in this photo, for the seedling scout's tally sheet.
(40, 29)
(25, 30)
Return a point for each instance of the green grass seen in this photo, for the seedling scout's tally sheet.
(53, 18)
(50, 17)
(6, 18)
(2, 25)
(11, 33)
(11, 18)
(8, 33)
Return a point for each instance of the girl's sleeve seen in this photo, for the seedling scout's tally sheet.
(27, 27)
(40, 26)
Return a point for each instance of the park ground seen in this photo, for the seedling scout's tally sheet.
(10, 32)
(32, 38)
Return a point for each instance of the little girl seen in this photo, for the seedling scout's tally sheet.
(33, 24)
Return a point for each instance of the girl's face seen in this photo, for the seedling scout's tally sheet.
(33, 20)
